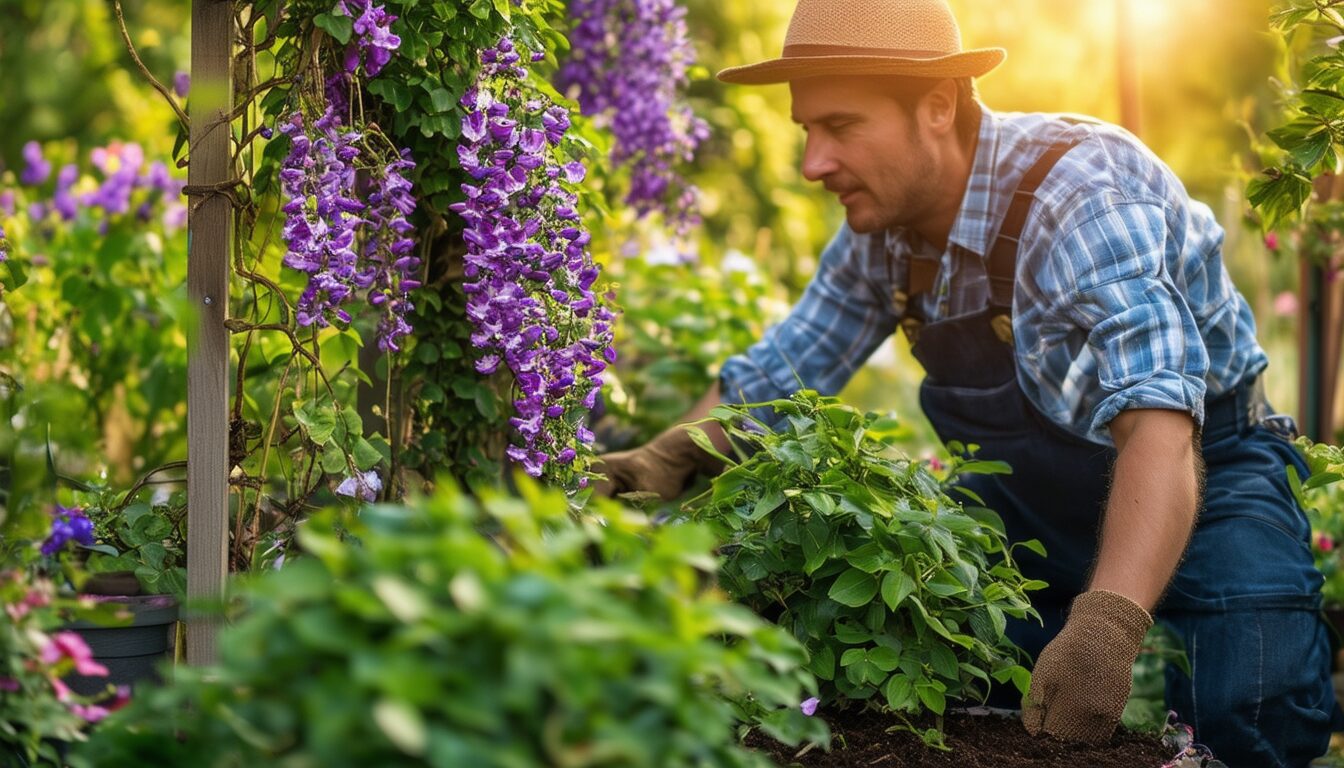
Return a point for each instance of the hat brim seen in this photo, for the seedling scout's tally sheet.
(974, 63)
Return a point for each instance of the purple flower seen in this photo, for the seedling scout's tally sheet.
(365, 486)
(67, 524)
(181, 83)
(629, 61)
(529, 273)
(4, 251)
(7, 202)
(373, 42)
(809, 706)
(36, 168)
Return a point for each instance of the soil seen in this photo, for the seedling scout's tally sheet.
(860, 740)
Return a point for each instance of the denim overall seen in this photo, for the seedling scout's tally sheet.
(1245, 600)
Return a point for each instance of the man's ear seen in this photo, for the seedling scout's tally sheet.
(938, 108)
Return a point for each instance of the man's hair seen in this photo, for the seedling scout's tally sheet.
(907, 91)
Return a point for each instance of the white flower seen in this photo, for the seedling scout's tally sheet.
(366, 486)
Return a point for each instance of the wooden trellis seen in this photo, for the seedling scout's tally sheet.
(208, 238)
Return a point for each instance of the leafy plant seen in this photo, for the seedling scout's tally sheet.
(900, 594)
(147, 538)
(504, 634)
(1311, 137)
(1322, 496)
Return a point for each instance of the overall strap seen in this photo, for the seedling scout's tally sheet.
(1002, 261)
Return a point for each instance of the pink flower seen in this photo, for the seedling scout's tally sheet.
(68, 645)
(1285, 304)
(1272, 241)
(92, 713)
(36, 598)
(1324, 542)
(9, 684)
(809, 706)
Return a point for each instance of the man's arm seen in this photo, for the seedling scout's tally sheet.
(1082, 678)
(837, 323)
(1155, 495)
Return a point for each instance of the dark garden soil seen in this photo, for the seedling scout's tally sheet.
(860, 740)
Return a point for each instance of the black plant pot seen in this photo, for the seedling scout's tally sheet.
(130, 652)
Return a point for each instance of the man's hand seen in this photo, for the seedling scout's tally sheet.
(1082, 678)
(668, 463)
(651, 468)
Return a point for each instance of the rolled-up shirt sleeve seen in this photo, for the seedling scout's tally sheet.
(839, 321)
(1140, 330)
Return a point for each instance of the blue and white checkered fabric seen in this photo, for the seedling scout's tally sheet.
(1122, 298)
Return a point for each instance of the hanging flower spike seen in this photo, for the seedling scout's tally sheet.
(317, 179)
(529, 273)
(390, 250)
(373, 42)
(629, 61)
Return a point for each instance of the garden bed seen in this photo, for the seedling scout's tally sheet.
(861, 741)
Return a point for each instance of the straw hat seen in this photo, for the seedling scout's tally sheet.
(915, 38)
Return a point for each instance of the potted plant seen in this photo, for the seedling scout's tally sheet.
(130, 558)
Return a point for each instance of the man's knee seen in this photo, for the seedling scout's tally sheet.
(1259, 690)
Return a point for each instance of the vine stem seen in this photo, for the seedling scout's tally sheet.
(154, 81)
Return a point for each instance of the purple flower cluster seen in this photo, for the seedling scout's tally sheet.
(628, 61)
(4, 251)
(324, 217)
(528, 268)
(374, 42)
(127, 184)
(318, 181)
(67, 523)
(389, 248)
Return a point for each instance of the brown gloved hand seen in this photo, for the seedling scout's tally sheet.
(1082, 678)
(665, 466)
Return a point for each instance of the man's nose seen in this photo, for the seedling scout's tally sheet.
(818, 158)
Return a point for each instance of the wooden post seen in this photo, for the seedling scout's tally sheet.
(208, 242)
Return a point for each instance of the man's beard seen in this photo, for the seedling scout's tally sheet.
(915, 190)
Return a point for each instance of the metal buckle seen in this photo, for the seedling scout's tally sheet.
(1003, 328)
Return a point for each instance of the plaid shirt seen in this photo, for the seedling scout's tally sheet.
(1122, 299)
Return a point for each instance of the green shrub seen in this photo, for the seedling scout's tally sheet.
(899, 593)
(507, 634)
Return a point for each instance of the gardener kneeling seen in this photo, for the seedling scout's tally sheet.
(1069, 304)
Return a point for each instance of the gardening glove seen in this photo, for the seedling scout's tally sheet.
(665, 466)
(1082, 678)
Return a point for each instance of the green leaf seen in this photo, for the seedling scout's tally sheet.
(944, 662)
(854, 588)
(339, 27)
(403, 725)
(896, 586)
(701, 439)
(899, 692)
(884, 659)
(317, 420)
(933, 698)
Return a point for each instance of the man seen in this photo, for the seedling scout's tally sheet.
(1070, 307)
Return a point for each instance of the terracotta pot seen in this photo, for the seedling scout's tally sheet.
(130, 652)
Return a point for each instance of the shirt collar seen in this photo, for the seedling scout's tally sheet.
(974, 223)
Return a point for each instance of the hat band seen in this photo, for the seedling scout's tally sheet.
(800, 51)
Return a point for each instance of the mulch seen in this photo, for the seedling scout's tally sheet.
(860, 740)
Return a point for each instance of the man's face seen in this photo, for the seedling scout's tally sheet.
(863, 147)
